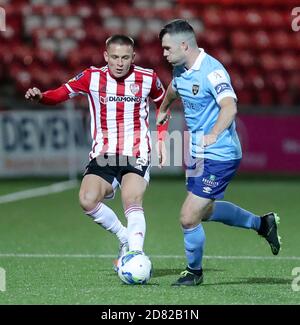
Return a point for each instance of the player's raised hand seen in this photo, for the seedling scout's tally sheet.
(33, 94)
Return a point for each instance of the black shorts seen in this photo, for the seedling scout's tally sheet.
(112, 168)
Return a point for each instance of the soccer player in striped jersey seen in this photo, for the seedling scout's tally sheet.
(118, 96)
(209, 104)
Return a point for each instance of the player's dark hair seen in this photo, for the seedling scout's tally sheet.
(119, 39)
(178, 26)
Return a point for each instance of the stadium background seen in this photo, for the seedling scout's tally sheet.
(43, 151)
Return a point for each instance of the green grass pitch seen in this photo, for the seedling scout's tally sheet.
(53, 254)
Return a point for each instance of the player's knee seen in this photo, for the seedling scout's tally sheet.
(190, 217)
(131, 199)
(186, 219)
(88, 201)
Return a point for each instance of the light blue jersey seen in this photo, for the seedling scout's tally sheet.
(201, 89)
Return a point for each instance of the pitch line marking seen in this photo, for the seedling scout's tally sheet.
(274, 258)
(39, 191)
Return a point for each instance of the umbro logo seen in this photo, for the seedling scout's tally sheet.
(139, 167)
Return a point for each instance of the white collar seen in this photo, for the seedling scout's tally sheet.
(197, 63)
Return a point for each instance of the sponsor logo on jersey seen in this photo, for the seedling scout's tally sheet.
(134, 88)
(190, 105)
(222, 87)
(195, 89)
(127, 99)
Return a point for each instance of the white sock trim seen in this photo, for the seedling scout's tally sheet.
(133, 208)
(95, 210)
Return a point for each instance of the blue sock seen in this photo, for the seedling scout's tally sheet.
(194, 240)
(232, 215)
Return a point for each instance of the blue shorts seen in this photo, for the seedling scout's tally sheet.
(214, 178)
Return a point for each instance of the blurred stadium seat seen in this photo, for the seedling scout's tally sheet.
(247, 36)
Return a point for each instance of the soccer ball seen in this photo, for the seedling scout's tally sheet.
(134, 268)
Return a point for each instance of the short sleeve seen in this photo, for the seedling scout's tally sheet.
(220, 85)
(79, 84)
(157, 88)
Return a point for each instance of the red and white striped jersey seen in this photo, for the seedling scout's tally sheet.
(119, 109)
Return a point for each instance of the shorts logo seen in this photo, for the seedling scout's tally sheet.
(195, 89)
(210, 182)
(139, 167)
(141, 161)
(212, 177)
(134, 88)
(207, 190)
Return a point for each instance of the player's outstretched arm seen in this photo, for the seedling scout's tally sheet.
(34, 94)
(49, 97)
(162, 130)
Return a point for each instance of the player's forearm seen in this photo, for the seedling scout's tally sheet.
(226, 117)
(56, 96)
(162, 130)
(170, 96)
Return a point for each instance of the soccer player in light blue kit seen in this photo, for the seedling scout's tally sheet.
(209, 103)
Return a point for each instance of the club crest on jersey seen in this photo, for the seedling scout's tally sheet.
(195, 89)
(134, 88)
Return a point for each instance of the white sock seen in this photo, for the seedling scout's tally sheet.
(105, 216)
(136, 227)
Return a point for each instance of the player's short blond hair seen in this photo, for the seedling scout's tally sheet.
(119, 39)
